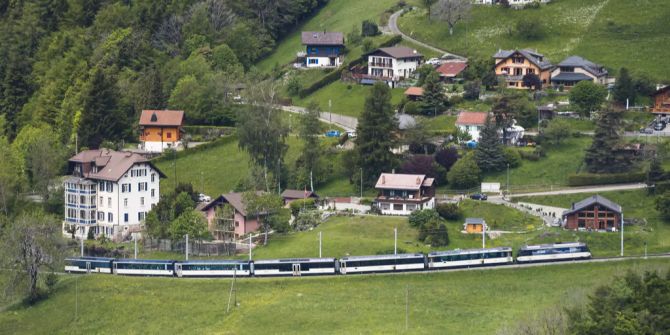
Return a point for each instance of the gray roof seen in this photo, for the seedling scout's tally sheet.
(322, 38)
(474, 221)
(111, 165)
(399, 52)
(298, 194)
(576, 61)
(594, 199)
(571, 76)
(532, 56)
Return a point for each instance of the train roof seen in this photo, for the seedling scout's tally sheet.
(214, 261)
(373, 257)
(87, 258)
(468, 251)
(144, 261)
(294, 260)
(553, 245)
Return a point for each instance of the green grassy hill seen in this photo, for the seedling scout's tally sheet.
(615, 33)
(467, 302)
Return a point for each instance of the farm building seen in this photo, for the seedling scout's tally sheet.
(593, 213)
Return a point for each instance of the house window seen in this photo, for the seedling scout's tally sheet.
(142, 201)
(101, 216)
(125, 217)
(169, 134)
(386, 206)
(397, 207)
(411, 207)
(518, 72)
(110, 217)
(140, 216)
(153, 177)
(530, 71)
(109, 202)
(518, 60)
(101, 201)
(153, 192)
(313, 61)
(125, 202)
(581, 223)
(101, 187)
(237, 223)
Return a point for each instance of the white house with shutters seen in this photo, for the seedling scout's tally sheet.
(393, 64)
(109, 192)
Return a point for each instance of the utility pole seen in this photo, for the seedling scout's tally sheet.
(81, 246)
(135, 239)
(508, 179)
(311, 181)
(361, 182)
(249, 247)
(320, 244)
(395, 240)
(186, 246)
(645, 249)
(330, 111)
(484, 235)
(174, 162)
(621, 234)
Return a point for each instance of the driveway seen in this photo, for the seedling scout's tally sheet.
(347, 123)
(393, 28)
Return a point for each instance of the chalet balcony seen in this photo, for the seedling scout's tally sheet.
(380, 64)
(417, 200)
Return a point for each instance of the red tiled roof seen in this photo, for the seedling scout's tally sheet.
(452, 69)
(472, 118)
(416, 91)
(161, 118)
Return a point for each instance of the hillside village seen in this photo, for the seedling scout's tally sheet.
(234, 139)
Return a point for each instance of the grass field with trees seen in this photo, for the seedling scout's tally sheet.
(472, 302)
(593, 29)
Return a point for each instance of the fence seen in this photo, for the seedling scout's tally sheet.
(195, 247)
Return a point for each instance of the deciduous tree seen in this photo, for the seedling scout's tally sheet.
(452, 12)
(557, 130)
(587, 97)
(464, 174)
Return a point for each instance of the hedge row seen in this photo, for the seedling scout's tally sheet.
(337, 74)
(221, 141)
(584, 179)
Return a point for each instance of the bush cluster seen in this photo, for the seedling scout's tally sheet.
(584, 179)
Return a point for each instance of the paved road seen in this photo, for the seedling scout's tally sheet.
(393, 27)
(585, 189)
(348, 123)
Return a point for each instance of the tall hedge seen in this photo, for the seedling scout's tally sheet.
(584, 179)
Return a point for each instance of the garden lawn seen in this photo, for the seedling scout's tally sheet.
(552, 170)
(337, 15)
(604, 32)
(347, 98)
(465, 302)
(637, 205)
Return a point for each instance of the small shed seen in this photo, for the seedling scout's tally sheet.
(292, 195)
(414, 93)
(474, 225)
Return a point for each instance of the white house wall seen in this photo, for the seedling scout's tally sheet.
(322, 62)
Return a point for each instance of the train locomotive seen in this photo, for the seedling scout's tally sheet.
(297, 267)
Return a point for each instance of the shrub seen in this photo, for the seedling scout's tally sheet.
(367, 46)
(472, 90)
(530, 28)
(412, 108)
(307, 220)
(449, 211)
(447, 157)
(530, 156)
(584, 179)
(419, 218)
(297, 205)
(50, 281)
(293, 86)
(464, 174)
(369, 28)
(512, 157)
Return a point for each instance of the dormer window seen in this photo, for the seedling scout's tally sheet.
(154, 118)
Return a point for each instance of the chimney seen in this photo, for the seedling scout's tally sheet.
(418, 180)
(383, 179)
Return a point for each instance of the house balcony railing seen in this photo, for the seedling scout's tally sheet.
(380, 64)
(83, 221)
(403, 199)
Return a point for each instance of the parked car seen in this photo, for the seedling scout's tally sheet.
(333, 133)
(659, 126)
(478, 196)
(204, 198)
(646, 131)
(351, 134)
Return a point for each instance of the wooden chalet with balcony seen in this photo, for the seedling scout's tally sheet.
(402, 194)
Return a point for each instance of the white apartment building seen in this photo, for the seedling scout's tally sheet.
(393, 64)
(109, 192)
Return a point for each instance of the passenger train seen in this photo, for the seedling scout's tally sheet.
(331, 266)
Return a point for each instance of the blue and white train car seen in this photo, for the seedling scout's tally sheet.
(144, 267)
(553, 252)
(294, 267)
(89, 264)
(382, 263)
(212, 268)
(470, 257)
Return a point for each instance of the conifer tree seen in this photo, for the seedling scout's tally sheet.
(433, 94)
(624, 87)
(376, 128)
(489, 154)
(604, 155)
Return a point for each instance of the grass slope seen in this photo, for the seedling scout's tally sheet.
(347, 99)
(636, 205)
(468, 302)
(337, 15)
(614, 33)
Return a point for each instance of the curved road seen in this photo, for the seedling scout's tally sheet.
(393, 26)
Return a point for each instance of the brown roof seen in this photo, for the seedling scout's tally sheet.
(415, 91)
(322, 38)
(298, 194)
(111, 165)
(400, 181)
(399, 52)
(161, 118)
(472, 118)
(235, 199)
(451, 69)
